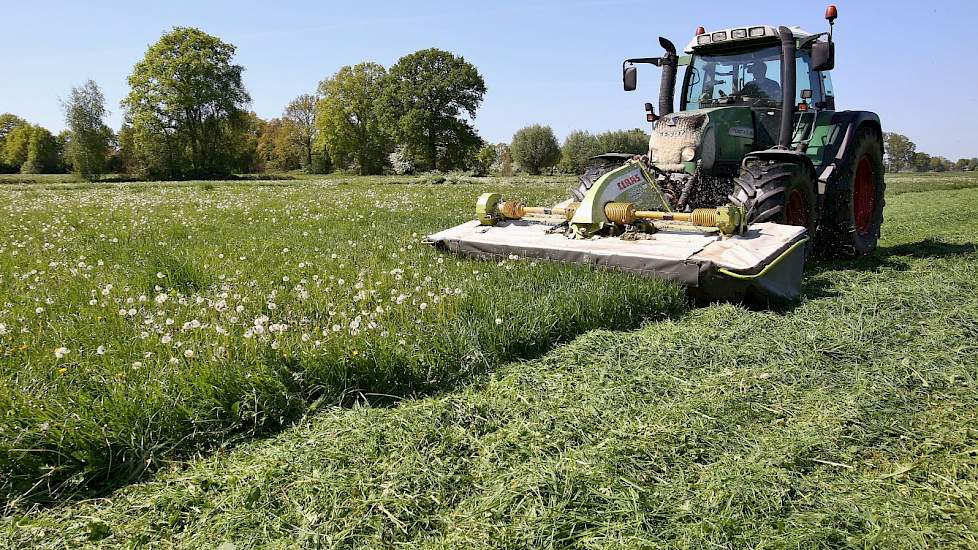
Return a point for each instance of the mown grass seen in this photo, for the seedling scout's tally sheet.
(931, 181)
(845, 421)
(144, 322)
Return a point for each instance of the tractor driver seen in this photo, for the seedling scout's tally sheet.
(761, 82)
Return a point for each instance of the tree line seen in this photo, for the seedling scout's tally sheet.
(902, 156)
(186, 116)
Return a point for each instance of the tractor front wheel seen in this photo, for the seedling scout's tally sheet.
(779, 192)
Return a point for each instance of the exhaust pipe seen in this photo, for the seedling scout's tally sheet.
(787, 87)
(667, 86)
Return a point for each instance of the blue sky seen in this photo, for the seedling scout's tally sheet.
(554, 62)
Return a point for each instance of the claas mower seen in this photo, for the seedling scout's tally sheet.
(756, 171)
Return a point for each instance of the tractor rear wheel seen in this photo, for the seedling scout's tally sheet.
(778, 192)
(854, 213)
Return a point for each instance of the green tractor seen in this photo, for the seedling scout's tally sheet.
(754, 171)
(757, 126)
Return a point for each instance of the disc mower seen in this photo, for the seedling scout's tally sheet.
(755, 171)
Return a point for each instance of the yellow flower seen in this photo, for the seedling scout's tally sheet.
(354, 353)
(62, 370)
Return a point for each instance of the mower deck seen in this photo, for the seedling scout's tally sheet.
(767, 260)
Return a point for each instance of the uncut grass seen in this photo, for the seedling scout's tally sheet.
(847, 421)
(145, 322)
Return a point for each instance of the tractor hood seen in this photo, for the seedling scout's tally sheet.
(710, 138)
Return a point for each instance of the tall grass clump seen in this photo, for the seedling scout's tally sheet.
(139, 326)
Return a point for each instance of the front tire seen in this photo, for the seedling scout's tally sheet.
(778, 192)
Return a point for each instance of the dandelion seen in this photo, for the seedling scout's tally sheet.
(39, 310)
(188, 353)
(166, 339)
(100, 350)
(62, 370)
(161, 298)
(61, 352)
(499, 321)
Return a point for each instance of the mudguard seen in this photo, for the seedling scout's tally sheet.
(836, 156)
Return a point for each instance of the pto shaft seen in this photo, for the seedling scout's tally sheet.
(728, 219)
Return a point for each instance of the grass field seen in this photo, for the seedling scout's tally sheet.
(143, 322)
(847, 419)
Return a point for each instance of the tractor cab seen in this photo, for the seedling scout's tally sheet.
(742, 67)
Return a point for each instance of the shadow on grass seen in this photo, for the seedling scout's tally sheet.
(815, 285)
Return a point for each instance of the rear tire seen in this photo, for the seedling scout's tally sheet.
(778, 192)
(854, 209)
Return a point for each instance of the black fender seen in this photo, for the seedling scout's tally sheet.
(782, 155)
(836, 156)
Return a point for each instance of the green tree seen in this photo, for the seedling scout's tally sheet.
(921, 162)
(16, 146)
(427, 96)
(973, 164)
(485, 159)
(276, 148)
(635, 142)
(301, 117)
(348, 117)
(579, 146)
(42, 153)
(246, 157)
(90, 137)
(938, 164)
(186, 106)
(899, 151)
(8, 123)
(535, 148)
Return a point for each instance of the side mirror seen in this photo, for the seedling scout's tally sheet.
(823, 56)
(629, 77)
(806, 94)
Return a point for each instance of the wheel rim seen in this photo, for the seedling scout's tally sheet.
(864, 195)
(796, 209)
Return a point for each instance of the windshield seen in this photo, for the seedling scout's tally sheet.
(751, 77)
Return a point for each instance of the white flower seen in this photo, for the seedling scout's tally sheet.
(275, 344)
(136, 365)
(39, 310)
(188, 353)
(499, 321)
(61, 352)
(3, 329)
(423, 306)
(161, 298)
(100, 350)
(166, 339)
